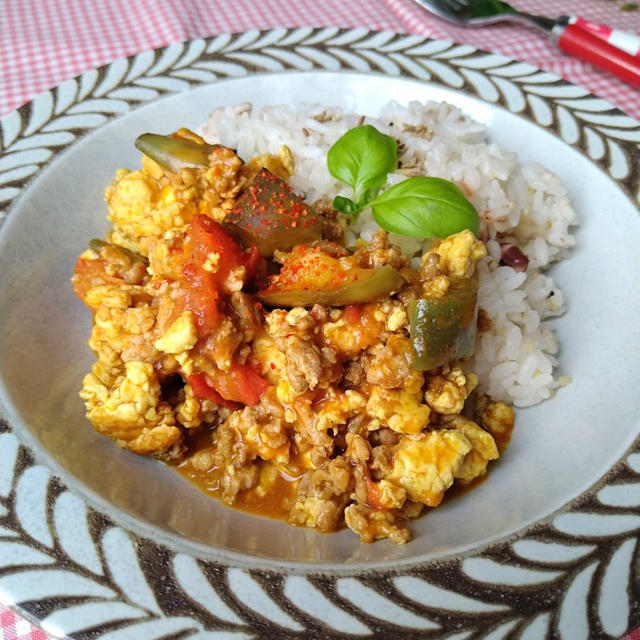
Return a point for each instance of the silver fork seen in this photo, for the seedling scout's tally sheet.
(475, 14)
(610, 49)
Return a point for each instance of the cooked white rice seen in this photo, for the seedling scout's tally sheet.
(526, 205)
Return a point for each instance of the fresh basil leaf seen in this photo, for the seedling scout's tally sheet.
(362, 158)
(425, 207)
(340, 203)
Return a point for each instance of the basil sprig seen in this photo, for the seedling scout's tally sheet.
(421, 207)
(362, 158)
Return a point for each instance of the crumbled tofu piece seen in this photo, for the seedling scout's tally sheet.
(282, 164)
(391, 495)
(212, 263)
(131, 411)
(498, 419)
(193, 410)
(483, 449)
(397, 318)
(398, 409)
(447, 393)
(459, 253)
(286, 157)
(425, 465)
(235, 279)
(339, 409)
(300, 318)
(109, 295)
(372, 525)
(180, 336)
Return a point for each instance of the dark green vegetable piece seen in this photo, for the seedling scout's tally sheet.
(175, 153)
(96, 244)
(270, 215)
(444, 328)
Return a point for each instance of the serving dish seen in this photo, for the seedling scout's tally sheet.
(97, 542)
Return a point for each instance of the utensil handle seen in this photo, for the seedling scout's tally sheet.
(629, 42)
(574, 40)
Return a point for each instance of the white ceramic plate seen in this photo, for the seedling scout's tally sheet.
(95, 541)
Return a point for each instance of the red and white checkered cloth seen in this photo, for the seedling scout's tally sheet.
(44, 42)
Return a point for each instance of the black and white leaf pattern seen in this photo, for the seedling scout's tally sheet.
(41, 584)
(309, 599)
(573, 623)
(193, 582)
(502, 632)
(91, 614)
(112, 78)
(378, 606)
(621, 495)
(17, 554)
(9, 448)
(246, 587)
(463, 635)
(613, 604)
(581, 563)
(122, 560)
(70, 518)
(551, 553)
(31, 504)
(221, 635)
(488, 570)
(11, 127)
(41, 111)
(596, 525)
(634, 462)
(438, 597)
(157, 629)
(536, 629)
(138, 65)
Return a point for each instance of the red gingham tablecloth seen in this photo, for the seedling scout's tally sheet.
(44, 42)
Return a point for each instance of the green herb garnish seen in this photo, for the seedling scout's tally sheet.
(362, 158)
(421, 207)
(424, 207)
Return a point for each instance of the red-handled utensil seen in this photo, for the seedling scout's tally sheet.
(629, 42)
(573, 39)
(610, 49)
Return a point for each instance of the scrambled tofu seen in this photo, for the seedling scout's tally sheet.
(425, 466)
(398, 409)
(458, 254)
(130, 411)
(314, 412)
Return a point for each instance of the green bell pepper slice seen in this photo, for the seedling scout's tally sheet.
(376, 285)
(174, 153)
(310, 275)
(444, 328)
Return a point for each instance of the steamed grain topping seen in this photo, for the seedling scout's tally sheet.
(290, 360)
